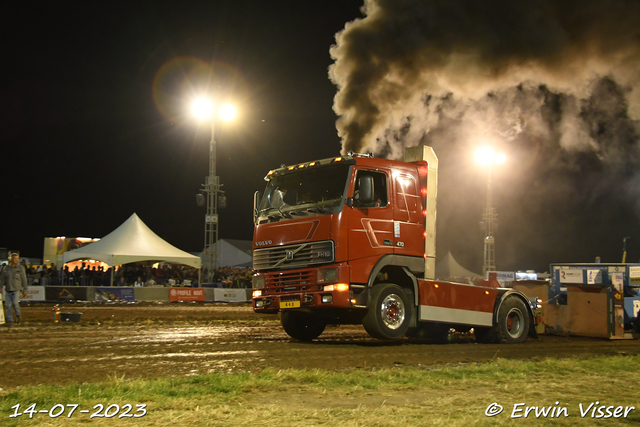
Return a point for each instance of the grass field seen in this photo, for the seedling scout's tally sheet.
(442, 395)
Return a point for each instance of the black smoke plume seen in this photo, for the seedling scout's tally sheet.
(554, 84)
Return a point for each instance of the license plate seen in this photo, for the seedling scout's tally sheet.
(289, 304)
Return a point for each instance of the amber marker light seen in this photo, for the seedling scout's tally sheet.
(436, 285)
(486, 292)
(341, 287)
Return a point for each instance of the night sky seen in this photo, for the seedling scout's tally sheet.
(95, 123)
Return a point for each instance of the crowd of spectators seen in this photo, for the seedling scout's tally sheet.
(227, 277)
(137, 275)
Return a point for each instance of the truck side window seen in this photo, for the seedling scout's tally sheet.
(380, 198)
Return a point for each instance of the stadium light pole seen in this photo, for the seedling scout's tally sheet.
(489, 158)
(204, 109)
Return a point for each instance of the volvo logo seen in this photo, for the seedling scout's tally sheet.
(289, 255)
(264, 243)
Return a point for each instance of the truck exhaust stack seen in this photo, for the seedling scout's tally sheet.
(418, 154)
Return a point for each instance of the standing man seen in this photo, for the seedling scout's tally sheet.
(14, 279)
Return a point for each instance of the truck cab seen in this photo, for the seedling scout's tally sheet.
(351, 239)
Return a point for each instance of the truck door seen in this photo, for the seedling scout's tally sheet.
(408, 225)
(370, 225)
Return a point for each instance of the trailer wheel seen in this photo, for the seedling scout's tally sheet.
(389, 312)
(301, 325)
(513, 321)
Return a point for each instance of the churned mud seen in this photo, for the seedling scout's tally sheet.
(177, 340)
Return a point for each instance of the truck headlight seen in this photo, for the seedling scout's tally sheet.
(257, 282)
(326, 275)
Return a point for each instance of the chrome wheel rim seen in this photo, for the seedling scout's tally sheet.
(392, 311)
(515, 322)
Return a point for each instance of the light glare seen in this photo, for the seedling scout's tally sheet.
(202, 108)
(228, 112)
(487, 156)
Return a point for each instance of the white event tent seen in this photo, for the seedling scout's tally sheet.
(133, 241)
(448, 267)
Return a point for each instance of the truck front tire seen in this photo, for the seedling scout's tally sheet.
(389, 312)
(301, 325)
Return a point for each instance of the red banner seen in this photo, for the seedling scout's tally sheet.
(186, 294)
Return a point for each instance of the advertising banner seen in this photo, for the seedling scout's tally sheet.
(230, 295)
(33, 293)
(114, 294)
(65, 293)
(594, 277)
(634, 276)
(571, 276)
(503, 277)
(186, 294)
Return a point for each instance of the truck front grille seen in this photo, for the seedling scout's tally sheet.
(292, 282)
(294, 256)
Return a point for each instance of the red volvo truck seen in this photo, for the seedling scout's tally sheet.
(351, 240)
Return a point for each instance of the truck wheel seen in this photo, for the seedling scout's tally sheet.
(513, 321)
(434, 332)
(389, 312)
(302, 326)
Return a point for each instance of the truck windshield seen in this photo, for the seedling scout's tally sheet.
(305, 192)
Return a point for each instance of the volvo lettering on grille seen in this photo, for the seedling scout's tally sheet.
(291, 256)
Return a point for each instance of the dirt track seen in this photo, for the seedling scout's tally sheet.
(149, 341)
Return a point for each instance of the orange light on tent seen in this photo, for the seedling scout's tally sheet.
(312, 164)
(338, 159)
(291, 168)
(300, 166)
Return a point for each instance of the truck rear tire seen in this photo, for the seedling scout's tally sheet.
(301, 325)
(389, 312)
(513, 321)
